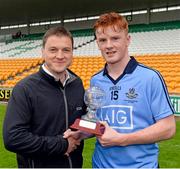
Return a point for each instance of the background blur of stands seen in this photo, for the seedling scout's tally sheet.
(155, 42)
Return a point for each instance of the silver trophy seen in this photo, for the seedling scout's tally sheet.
(94, 98)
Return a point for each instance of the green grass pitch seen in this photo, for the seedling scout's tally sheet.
(168, 158)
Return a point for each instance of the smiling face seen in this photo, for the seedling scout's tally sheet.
(113, 44)
(57, 53)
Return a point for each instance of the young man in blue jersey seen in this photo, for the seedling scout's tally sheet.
(137, 112)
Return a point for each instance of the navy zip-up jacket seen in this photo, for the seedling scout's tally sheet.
(38, 113)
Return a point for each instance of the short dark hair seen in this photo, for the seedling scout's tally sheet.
(58, 31)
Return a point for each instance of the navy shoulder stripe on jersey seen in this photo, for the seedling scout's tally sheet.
(163, 84)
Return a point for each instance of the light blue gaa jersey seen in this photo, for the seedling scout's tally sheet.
(136, 100)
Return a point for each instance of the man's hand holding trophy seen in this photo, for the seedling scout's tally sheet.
(94, 98)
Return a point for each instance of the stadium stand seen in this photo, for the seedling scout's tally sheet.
(11, 71)
(159, 38)
(156, 45)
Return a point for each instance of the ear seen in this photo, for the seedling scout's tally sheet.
(128, 39)
(98, 44)
(42, 52)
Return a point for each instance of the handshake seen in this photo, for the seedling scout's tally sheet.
(110, 137)
(88, 126)
(74, 138)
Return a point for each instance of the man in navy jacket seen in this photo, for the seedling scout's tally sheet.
(43, 106)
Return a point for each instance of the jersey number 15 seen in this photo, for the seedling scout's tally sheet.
(114, 95)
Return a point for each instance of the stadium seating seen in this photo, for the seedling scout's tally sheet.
(157, 47)
(154, 38)
(11, 71)
(21, 49)
(142, 43)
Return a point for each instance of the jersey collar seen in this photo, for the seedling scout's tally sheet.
(130, 67)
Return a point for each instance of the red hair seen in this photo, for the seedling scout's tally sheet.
(111, 19)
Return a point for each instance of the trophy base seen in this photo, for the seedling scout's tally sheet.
(88, 126)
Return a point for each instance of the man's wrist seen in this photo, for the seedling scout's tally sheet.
(64, 144)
